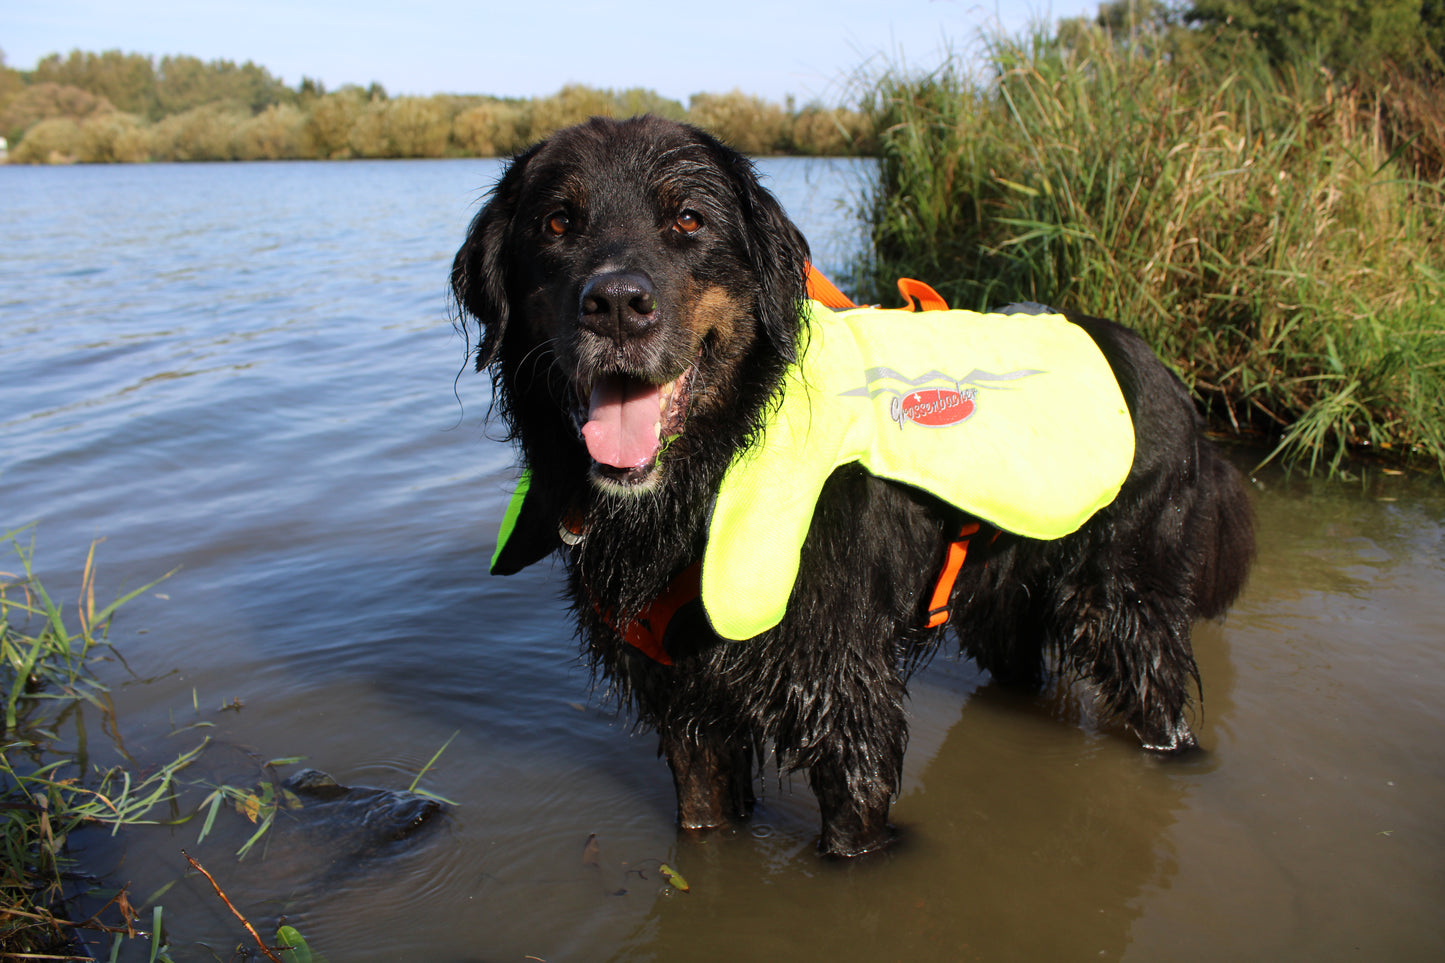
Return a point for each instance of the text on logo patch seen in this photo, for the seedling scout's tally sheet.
(934, 407)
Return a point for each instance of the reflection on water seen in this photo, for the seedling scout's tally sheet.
(248, 371)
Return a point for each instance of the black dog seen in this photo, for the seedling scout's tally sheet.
(640, 301)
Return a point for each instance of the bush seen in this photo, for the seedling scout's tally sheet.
(418, 126)
(823, 131)
(54, 141)
(328, 125)
(747, 123)
(495, 129)
(570, 105)
(200, 134)
(277, 133)
(404, 127)
(45, 101)
(114, 138)
(639, 100)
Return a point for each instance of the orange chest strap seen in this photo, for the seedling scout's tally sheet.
(647, 630)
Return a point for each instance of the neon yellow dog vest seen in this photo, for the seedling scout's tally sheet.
(1015, 419)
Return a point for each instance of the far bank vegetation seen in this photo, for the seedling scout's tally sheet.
(116, 107)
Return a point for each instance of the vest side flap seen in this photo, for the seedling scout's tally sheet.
(526, 535)
(764, 506)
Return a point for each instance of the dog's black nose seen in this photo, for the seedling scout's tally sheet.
(619, 305)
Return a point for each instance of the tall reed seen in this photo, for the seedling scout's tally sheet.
(1254, 224)
(48, 787)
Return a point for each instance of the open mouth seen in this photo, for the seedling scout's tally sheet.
(630, 420)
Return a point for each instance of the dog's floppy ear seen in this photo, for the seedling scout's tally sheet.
(779, 256)
(479, 271)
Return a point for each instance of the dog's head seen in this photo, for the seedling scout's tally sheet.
(634, 277)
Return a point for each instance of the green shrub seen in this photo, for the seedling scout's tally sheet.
(45, 101)
(570, 105)
(367, 135)
(329, 123)
(54, 141)
(277, 133)
(404, 127)
(200, 134)
(418, 126)
(747, 123)
(825, 131)
(114, 138)
(494, 129)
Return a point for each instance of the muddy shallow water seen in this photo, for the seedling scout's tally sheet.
(248, 371)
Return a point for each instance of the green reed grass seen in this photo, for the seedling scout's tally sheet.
(48, 789)
(1258, 226)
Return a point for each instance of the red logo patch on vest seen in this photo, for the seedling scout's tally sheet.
(935, 407)
(934, 399)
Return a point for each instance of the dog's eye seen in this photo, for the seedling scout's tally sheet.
(688, 222)
(557, 224)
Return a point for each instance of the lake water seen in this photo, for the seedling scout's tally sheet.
(248, 372)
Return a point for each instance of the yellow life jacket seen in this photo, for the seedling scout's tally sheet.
(1016, 419)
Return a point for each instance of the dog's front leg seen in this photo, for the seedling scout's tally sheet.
(713, 779)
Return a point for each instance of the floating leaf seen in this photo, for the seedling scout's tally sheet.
(294, 943)
(673, 877)
(249, 806)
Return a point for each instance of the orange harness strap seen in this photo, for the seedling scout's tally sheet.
(646, 632)
(952, 565)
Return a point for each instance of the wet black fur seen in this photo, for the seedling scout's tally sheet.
(1111, 604)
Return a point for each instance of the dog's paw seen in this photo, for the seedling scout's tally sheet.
(1173, 740)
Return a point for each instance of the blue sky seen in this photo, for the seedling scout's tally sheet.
(529, 48)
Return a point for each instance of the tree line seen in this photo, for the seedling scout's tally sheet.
(114, 106)
(128, 107)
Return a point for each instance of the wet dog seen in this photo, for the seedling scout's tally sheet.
(640, 301)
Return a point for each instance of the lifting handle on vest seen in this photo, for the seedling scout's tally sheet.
(917, 296)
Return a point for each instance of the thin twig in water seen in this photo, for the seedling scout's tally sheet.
(244, 922)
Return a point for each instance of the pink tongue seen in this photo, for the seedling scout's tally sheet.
(624, 424)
